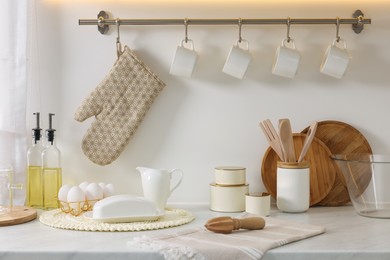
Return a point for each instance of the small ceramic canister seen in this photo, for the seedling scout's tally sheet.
(258, 203)
(228, 198)
(293, 186)
(230, 175)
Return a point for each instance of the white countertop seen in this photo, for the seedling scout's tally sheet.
(348, 236)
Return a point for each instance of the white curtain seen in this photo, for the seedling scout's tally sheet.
(13, 88)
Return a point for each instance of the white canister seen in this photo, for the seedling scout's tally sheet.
(258, 203)
(230, 175)
(228, 198)
(293, 186)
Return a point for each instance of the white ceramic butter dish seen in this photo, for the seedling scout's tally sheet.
(124, 208)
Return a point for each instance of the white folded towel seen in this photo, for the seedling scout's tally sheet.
(199, 243)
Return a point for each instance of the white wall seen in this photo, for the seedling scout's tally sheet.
(210, 119)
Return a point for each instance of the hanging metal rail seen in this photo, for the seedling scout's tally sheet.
(358, 21)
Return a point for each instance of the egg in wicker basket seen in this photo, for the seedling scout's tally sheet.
(78, 199)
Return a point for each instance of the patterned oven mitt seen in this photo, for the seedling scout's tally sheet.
(119, 104)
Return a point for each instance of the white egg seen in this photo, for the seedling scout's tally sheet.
(93, 193)
(83, 185)
(102, 185)
(108, 190)
(63, 192)
(76, 198)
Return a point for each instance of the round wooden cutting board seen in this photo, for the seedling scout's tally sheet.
(322, 168)
(340, 138)
(18, 215)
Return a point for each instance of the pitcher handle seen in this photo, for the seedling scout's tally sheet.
(180, 179)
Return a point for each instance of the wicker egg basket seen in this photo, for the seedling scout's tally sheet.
(77, 208)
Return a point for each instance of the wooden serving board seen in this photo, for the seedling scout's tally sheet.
(340, 138)
(18, 215)
(322, 168)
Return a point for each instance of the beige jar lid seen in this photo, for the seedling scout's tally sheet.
(230, 168)
(230, 175)
(293, 165)
(227, 186)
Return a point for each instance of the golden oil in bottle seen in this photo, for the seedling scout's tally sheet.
(51, 170)
(34, 187)
(52, 182)
(34, 169)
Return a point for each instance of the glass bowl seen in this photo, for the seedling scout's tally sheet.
(367, 178)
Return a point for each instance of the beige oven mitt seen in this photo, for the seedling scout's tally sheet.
(119, 104)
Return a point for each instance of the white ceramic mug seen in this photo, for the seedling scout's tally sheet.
(258, 203)
(238, 60)
(286, 60)
(156, 184)
(185, 59)
(336, 59)
(293, 186)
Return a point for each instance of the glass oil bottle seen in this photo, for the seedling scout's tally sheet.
(51, 169)
(34, 193)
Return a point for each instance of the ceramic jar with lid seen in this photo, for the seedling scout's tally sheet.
(293, 186)
(228, 192)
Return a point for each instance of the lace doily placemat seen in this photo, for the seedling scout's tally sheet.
(58, 219)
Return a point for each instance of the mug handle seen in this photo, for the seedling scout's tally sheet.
(285, 42)
(180, 179)
(245, 42)
(341, 41)
(190, 43)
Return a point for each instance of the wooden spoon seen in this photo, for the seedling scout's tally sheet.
(309, 138)
(286, 139)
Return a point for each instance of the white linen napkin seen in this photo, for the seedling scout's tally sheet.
(199, 243)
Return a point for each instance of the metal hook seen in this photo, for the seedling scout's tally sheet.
(117, 30)
(337, 29)
(186, 30)
(119, 50)
(239, 30)
(288, 29)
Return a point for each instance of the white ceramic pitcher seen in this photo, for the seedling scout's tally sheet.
(156, 184)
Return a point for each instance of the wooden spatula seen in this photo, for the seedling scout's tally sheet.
(309, 138)
(286, 139)
(272, 137)
(226, 225)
